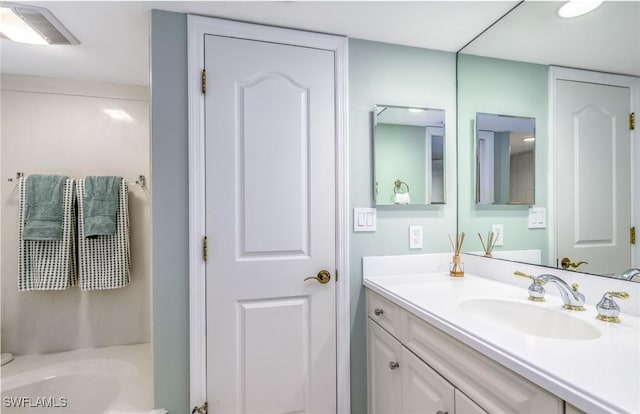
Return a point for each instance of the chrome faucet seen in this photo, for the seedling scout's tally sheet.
(571, 298)
(629, 274)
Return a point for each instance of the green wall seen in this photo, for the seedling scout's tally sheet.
(387, 74)
(509, 88)
(170, 214)
(378, 73)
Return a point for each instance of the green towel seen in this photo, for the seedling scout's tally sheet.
(44, 207)
(101, 199)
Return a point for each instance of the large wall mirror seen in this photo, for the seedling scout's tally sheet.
(586, 197)
(408, 153)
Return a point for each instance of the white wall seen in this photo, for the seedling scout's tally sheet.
(59, 127)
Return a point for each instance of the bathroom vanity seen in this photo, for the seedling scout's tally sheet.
(438, 344)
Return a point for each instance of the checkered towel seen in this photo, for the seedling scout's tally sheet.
(48, 264)
(104, 261)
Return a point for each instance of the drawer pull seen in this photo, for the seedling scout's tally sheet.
(393, 365)
(378, 311)
(442, 412)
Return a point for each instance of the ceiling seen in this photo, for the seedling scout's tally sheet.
(114, 35)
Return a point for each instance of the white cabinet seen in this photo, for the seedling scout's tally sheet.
(423, 389)
(384, 381)
(399, 382)
(464, 405)
(570, 409)
(438, 373)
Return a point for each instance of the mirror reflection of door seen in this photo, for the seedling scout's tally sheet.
(593, 176)
(505, 154)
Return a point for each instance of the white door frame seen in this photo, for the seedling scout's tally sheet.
(198, 26)
(557, 73)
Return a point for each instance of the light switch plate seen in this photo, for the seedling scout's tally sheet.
(537, 217)
(364, 219)
(499, 230)
(415, 237)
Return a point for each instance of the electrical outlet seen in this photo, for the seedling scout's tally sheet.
(498, 229)
(415, 237)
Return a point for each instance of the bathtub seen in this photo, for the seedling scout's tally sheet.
(109, 380)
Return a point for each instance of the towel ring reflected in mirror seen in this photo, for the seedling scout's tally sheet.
(398, 186)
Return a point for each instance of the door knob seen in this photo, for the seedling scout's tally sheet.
(567, 264)
(323, 277)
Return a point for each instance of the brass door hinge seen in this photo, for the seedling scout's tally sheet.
(632, 235)
(203, 81)
(205, 249)
(203, 409)
(632, 121)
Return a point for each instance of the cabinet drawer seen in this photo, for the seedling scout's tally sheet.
(493, 387)
(385, 313)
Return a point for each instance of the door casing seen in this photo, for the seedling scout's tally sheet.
(197, 27)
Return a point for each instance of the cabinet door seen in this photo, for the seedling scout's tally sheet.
(423, 389)
(570, 409)
(464, 405)
(384, 378)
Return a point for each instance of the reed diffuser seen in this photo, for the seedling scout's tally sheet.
(491, 242)
(456, 267)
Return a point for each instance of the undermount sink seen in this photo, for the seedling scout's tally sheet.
(530, 319)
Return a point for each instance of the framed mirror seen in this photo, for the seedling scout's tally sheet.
(505, 70)
(505, 159)
(408, 154)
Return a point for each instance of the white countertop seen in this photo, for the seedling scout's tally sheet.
(597, 375)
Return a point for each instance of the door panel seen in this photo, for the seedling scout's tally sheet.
(593, 175)
(274, 165)
(384, 383)
(270, 218)
(423, 389)
(464, 405)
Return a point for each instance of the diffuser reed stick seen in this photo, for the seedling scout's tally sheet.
(456, 267)
(491, 242)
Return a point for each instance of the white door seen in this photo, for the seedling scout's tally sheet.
(270, 219)
(593, 176)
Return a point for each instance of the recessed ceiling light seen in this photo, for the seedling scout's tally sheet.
(34, 25)
(529, 139)
(575, 8)
(118, 114)
(415, 110)
(14, 28)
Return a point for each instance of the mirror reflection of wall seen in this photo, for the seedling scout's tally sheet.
(496, 86)
(505, 156)
(408, 155)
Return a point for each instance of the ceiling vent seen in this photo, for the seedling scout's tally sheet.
(44, 23)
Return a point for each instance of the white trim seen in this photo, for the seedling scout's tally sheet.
(197, 227)
(198, 26)
(633, 83)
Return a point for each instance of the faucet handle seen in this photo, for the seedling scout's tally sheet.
(536, 291)
(608, 309)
